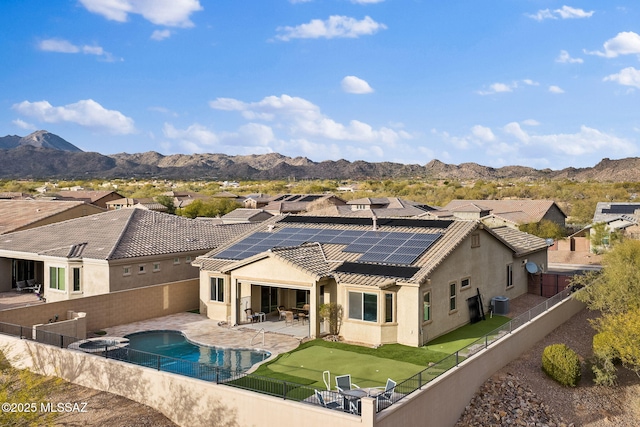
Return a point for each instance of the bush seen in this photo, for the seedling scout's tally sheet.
(603, 365)
(562, 364)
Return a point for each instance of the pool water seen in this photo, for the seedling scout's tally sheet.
(174, 345)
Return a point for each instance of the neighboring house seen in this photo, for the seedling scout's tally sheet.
(243, 215)
(382, 207)
(398, 280)
(292, 203)
(108, 252)
(14, 195)
(511, 213)
(98, 198)
(146, 203)
(17, 215)
(618, 217)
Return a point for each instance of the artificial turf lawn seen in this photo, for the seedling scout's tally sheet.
(462, 337)
(370, 367)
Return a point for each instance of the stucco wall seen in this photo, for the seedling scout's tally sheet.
(185, 401)
(142, 273)
(113, 309)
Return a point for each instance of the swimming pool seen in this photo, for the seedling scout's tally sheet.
(171, 351)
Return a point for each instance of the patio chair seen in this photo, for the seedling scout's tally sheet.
(251, 315)
(343, 382)
(334, 404)
(386, 395)
(290, 317)
(21, 285)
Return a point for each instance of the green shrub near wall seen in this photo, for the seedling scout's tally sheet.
(562, 364)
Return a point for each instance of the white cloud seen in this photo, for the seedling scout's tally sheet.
(353, 84)
(334, 27)
(586, 141)
(530, 82)
(170, 13)
(624, 43)
(531, 122)
(87, 113)
(65, 46)
(302, 118)
(498, 88)
(565, 58)
(514, 129)
(565, 12)
(555, 89)
(160, 35)
(626, 77)
(24, 125)
(483, 133)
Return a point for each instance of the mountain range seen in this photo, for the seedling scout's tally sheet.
(43, 155)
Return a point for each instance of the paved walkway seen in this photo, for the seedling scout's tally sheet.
(202, 330)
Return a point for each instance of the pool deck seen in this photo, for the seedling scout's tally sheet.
(202, 330)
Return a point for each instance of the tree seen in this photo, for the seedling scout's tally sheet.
(167, 201)
(545, 229)
(615, 292)
(210, 208)
(333, 313)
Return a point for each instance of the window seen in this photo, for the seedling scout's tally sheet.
(475, 240)
(509, 275)
(76, 279)
(388, 308)
(363, 306)
(302, 298)
(142, 269)
(465, 283)
(176, 260)
(452, 296)
(426, 307)
(217, 289)
(56, 278)
(126, 271)
(156, 266)
(188, 259)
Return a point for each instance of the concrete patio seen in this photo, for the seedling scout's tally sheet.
(13, 299)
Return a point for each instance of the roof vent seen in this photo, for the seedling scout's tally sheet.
(375, 221)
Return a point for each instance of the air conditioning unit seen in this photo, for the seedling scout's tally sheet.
(500, 305)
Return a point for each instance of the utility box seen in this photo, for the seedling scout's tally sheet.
(500, 305)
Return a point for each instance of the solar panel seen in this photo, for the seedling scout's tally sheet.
(400, 259)
(373, 257)
(622, 209)
(378, 270)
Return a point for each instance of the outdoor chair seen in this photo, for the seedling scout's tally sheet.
(21, 285)
(290, 317)
(386, 395)
(343, 382)
(251, 315)
(334, 404)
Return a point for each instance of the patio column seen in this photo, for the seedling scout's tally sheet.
(233, 299)
(314, 325)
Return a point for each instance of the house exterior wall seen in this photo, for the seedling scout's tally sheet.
(143, 271)
(554, 214)
(94, 278)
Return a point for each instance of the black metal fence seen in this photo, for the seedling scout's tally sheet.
(279, 388)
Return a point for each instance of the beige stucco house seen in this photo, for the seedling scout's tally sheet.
(398, 280)
(107, 252)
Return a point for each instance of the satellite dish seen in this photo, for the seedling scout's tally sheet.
(531, 267)
(550, 242)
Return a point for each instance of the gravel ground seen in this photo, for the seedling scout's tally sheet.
(522, 395)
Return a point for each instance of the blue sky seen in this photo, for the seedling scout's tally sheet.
(536, 83)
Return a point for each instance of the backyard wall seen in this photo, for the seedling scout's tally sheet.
(116, 308)
(185, 401)
(190, 402)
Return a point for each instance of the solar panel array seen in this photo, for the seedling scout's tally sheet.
(621, 209)
(378, 247)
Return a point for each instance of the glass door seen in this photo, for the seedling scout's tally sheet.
(268, 299)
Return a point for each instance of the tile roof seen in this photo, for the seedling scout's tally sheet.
(93, 196)
(16, 214)
(244, 213)
(123, 233)
(322, 260)
(606, 211)
(534, 210)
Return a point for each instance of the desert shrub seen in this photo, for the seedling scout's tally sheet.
(603, 365)
(562, 364)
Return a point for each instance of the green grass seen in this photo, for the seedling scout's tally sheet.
(462, 337)
(370, 367)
